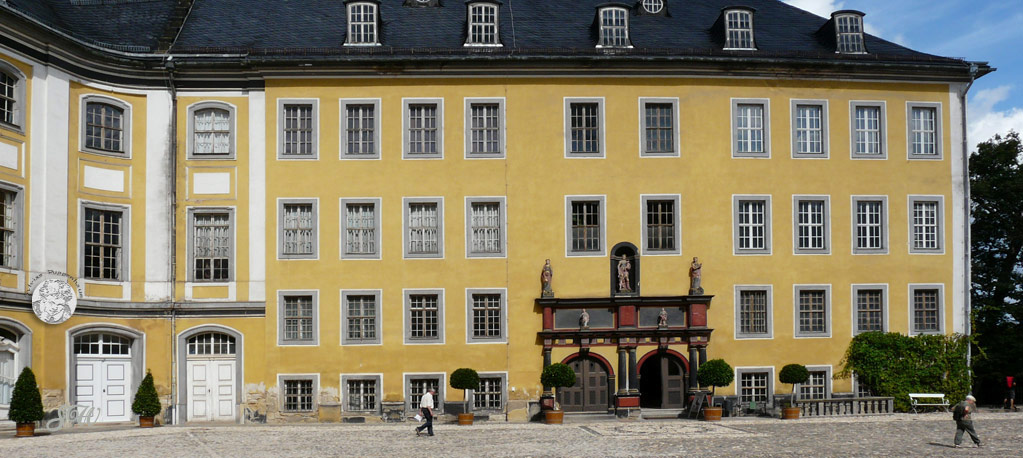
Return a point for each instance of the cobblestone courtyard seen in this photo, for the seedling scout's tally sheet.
(897, 435)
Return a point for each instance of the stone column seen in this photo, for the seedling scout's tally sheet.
(703, 355)
(694, 366)
(546, 362)
(623, 371)
(633, 374)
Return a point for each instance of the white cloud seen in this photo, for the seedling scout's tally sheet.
(984, 121)
(822, 8)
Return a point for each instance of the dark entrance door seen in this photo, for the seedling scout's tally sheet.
(589, 394)
(662, 383)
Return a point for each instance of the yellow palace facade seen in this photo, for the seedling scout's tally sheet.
(286, 230)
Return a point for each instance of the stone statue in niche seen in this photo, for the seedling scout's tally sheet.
(624, 266)
(662, 318)
(694, 278)
(546, 275)
(584, 320)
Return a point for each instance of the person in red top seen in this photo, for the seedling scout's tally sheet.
(1010, 393)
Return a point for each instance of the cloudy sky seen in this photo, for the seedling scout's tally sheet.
(978, 30)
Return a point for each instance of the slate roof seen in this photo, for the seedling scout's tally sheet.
(296, 28)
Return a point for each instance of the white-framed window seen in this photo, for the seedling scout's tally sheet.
(9, 364)
(483, 24)
(653, 6)
(811, 221)
(362, 393)
(360, 315)
(752, 224)
(424, 316)
(486, 223)
(360, 128)
(11, 226)
(870, 224)
(298, 135)
(12, 96)
(584, 127)
(416, 385)
(490, 396)
(484, 128)
(751, 128)
(754, 316)
(818, 386)
(739, 29)
(486, 311)
(659, 127)
(812, 310)
(362, 24)
(926, 308)
(299, 392)
(924, 130)
(810, 129)
(211, 131)
(297, 228)
(360, 228)
(585, 223)
(298, 317)
(424, 227)
(105, 230)
(662, 232)
(106, 126)
(423, 132)
(614, 28)
(211, 250)
(869, 130)
(870, 308)
(849, 33)
(755, 386)
(926, 218)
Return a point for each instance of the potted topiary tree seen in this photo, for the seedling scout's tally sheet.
(714, 373)
(465, 379)
(147, 403)
(556, 375)
(26, 404)
(792, 374)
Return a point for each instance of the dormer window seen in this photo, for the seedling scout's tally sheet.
(849, 32)
(653, 6)
(739, 29)
(483, 25)
(362, 24)
(614, 28)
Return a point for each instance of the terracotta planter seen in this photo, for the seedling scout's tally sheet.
(146, 422)
(25, 430)
(465, 419)
(711, 414)
(790, 413)
(554, 417)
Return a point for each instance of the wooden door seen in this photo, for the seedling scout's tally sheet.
(673, 383)
(589, 394)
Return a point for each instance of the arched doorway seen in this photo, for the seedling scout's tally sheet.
(15, 354)
(662, 381)
(106, 369)
(211, 374)
(590, 392)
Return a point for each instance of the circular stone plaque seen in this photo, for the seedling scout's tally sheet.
(54, 301)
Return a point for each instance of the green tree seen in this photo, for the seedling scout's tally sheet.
(465, 379)
(794, 374)
(147, 402)
(996, 188)
(715, 373)
(26, 402)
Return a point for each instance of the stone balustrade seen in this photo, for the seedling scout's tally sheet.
(846, 406)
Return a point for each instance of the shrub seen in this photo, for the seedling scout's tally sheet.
(465, 379)
(793, 374)
(891, 364)
(715, 373)
(557, 375)
(26, 402)
(147, 402)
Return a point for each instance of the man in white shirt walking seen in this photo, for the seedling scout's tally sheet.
(426, 408)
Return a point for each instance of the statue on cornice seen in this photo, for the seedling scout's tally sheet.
(546, 276)
(694, 278)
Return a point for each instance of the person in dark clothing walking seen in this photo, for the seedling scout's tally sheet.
(1010, 394)
(963, 415)
(426, 408)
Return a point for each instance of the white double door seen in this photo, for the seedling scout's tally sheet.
(211, 389)
(104, 383)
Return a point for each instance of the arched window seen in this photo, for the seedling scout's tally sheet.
(614, 28)
(483, 29)
(211, 343)
(849, 32)
(362, 24)
(739, 29)
(104, 127)
(102, 344)
(12, 96)
(8, 366)
(211, 131)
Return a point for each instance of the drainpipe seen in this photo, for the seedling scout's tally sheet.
(172, 195)
(967, 274)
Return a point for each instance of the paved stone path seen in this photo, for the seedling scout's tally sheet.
(897, 435)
